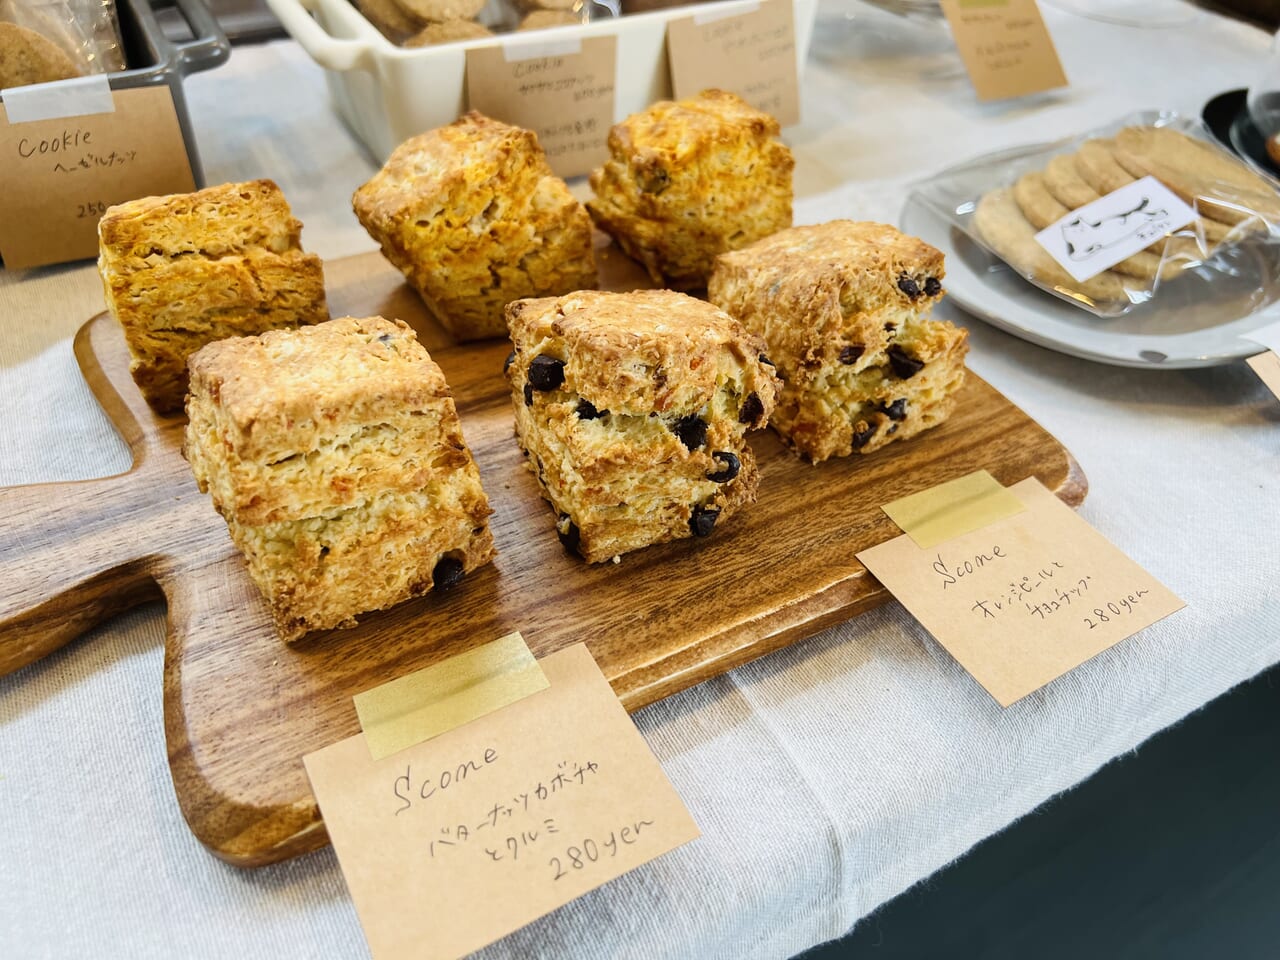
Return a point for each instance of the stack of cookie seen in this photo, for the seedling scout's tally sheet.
(1232, 202)
(419, 23)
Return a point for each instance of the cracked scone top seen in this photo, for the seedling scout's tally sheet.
(335, 455)
(690, 179)
(474, 218)
(632, 409)
(184, 270)
(843, 308)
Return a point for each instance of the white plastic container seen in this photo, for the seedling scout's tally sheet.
(387, 94)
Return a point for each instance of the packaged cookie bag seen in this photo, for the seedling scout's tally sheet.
(1145, 214)
(46, 40)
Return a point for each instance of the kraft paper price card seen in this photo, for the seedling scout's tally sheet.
(1005, 46)
(1024, 599)
(747, 49)
(1267, 365)
(562, 89)
(59, 173)
(461, 839)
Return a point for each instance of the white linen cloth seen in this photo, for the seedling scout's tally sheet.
(827, 777)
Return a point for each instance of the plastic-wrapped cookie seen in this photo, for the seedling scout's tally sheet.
(542, 19)
(437, 11)
(27, 57)
(450, 31)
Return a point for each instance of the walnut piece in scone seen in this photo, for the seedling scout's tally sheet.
(185, 270)
(632, 409)
(843, 308)
(474, 218)
(691, 179)
(335, 455)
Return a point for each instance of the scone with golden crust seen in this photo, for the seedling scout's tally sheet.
(185, 270)
(335, 455)
(842, 307)
(632, 409)
(689, 180)
(474, 218)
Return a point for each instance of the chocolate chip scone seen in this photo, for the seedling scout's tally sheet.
(689, 180)
(474, 218)
(185, 270)
(632, 409)
(335, 455)
(843, 308)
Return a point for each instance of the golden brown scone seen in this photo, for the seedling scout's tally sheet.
(27, 57)
(843, 308)
(542, 19)
(450, 31)
(184, 270)
(474, 218)
(632, 409)
(335, 454)
(689, 180)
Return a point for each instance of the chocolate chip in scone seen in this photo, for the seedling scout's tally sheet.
(904, 365)
(766, 361)
(862, 434)
(896, 410)
(384, 338)
(506, 364)
(892, 430)
(586, 410)
(752, 409)
(528, 394)
(890, 327)
(568, 532)
(908, 286)
(851, 353)
(731, 467)
(932, 287)
(692, 431)
(546, 373)
(448, 573)
(703, 520)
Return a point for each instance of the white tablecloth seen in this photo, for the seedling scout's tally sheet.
(827, 777)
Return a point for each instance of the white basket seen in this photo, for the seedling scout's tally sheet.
(387, 94)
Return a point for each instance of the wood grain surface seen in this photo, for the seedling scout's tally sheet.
(241, 708)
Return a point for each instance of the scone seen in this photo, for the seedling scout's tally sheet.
(632, 409)
(843, 309)
(185, 270)
(474, 218)
(689, 180)
(335, 455)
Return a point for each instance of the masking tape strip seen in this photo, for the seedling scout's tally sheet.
(718, 11)
(434, 700)
(525, 50)
(952, 509)
(77, 97)
(1267, 367)
(1268, 336)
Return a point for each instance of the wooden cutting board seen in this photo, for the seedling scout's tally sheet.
(241, 708)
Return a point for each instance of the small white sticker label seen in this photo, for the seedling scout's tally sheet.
(1099, 235)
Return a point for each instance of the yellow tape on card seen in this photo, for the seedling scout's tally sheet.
(953, 509)
(446, 695)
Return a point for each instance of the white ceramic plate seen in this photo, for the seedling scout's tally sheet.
(1147, 336)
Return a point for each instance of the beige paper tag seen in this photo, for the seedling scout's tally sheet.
(1005, 46)
(1267, 367)
(57, 177)
(1025, 599)
(428, 702)
(562, 91)
(459, 840)
(953, 508)
(752, 54)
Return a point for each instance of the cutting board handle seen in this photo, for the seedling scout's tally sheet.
(71, 555)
